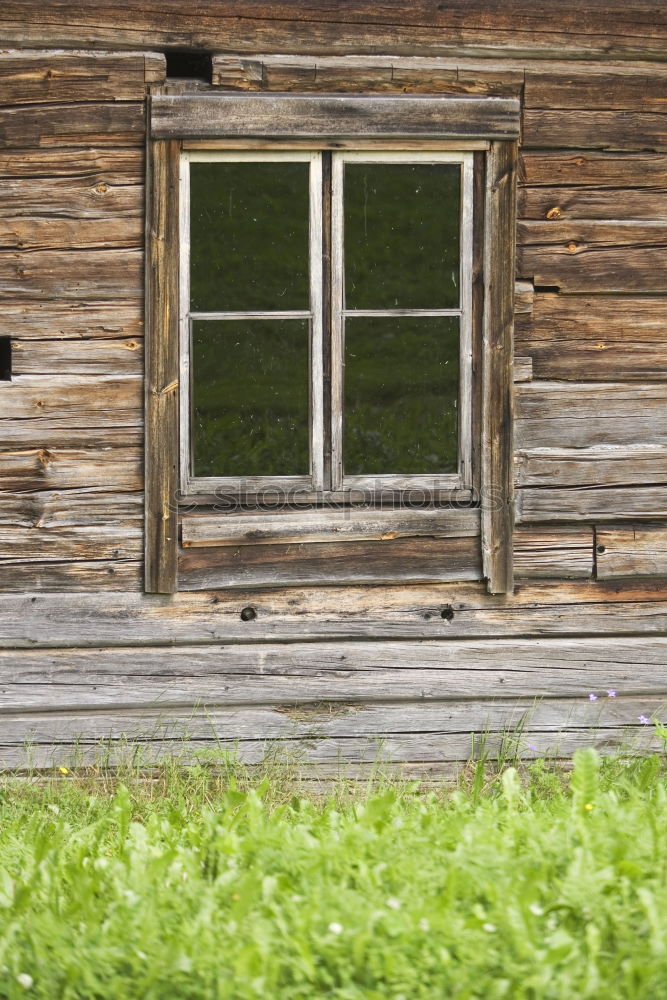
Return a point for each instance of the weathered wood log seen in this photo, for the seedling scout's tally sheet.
(56, 320)
(637, 550)
(608, 256)
(115, 540)
(325, 526)
(61, 125)
(443, 611)
(70, 234)
(523, 369)
(67, 468)
(592, 466)
(89, 357)
(615, 170)
(114, 167)
(601, 503)
(56, 576)
(411, 560)
(300, 26)
(297, 116)
(591, 203)
(318, 680)
(627, 88)
(55, 76)
(560, 552)
(47, 401)
(77, 275)
(562, 414)
(79, 197)
(69, 508)
(613, 130)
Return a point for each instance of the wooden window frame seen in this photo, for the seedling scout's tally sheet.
(488, 126)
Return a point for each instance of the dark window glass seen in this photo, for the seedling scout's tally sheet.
(401, 390)
(401, 224)
(250, 398)
(249, 225)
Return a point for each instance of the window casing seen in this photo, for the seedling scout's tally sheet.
(366, 124)
(327, 316)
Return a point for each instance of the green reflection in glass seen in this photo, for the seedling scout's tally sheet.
(401, 391)
(249, 225)
(250, 392)
(402, 235)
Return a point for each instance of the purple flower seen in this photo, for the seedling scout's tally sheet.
(644, 721)
(533, 748)
(592, 697)
(611, 693)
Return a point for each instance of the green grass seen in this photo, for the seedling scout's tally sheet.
(522, 884)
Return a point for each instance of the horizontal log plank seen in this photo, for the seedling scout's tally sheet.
(330, 563)
(75, 172)
(591, 203)
(68, 508)
(299, 26)
(606, 466)
(95, 401)
(94, 123)
(606, 89)
(336, 674)
(631, 550)
(523, 369)
(70, 234)
(597, 361)
(582, 167)
(115, 540)
(54, 76)
(561, 414)
(444, 611)
(88, 274)
(67, 468)
(577, 129)
(366, 734)
(325, 526)
(80, 197)
(294, 116)
(579, 255)
(71, 575)
(57, 320)
(600, 503)
(554, 553)
(85, 357)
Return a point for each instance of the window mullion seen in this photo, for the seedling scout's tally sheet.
(317, 303)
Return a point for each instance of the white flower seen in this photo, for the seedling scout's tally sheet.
(394, 904)
(489, 928)
(424, 924)
(536, 909)
(52, 807)
(24, 980)
(335, 928)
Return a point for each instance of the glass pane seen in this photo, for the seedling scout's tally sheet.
(401, 390)
(250, 392)
(249, 236)
(402, 235)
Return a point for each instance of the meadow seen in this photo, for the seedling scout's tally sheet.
(522, 881)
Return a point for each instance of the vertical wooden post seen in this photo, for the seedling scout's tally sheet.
(162, 369)
(497, 409)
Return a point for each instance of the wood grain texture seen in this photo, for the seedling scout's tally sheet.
(72, 320)
(325, 526)
(497, 355)
(69, 170)
(62, 576)
(302, 116)
(85, 618)
(631, 550)
(410, 560)
(599, 503)
(95, 123)
(81, 197)
(74, 275)
(31, 469)
(34, 234)
(608, 256)
(608, 465)
(592, 203)
(54, 76)
(85, 357)
(162, 370)
(563, 414)
(563, 167)
(553, 553)
(627, 88)
(613, 130)
(515, 27)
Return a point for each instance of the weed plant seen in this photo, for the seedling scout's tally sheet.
(194, 885)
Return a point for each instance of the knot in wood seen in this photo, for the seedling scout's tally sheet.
(573, 247)
(554, 213)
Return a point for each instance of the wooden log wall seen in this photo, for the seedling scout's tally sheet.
(340, 663)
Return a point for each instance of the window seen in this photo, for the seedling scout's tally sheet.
(321, 361)
(329, 314)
